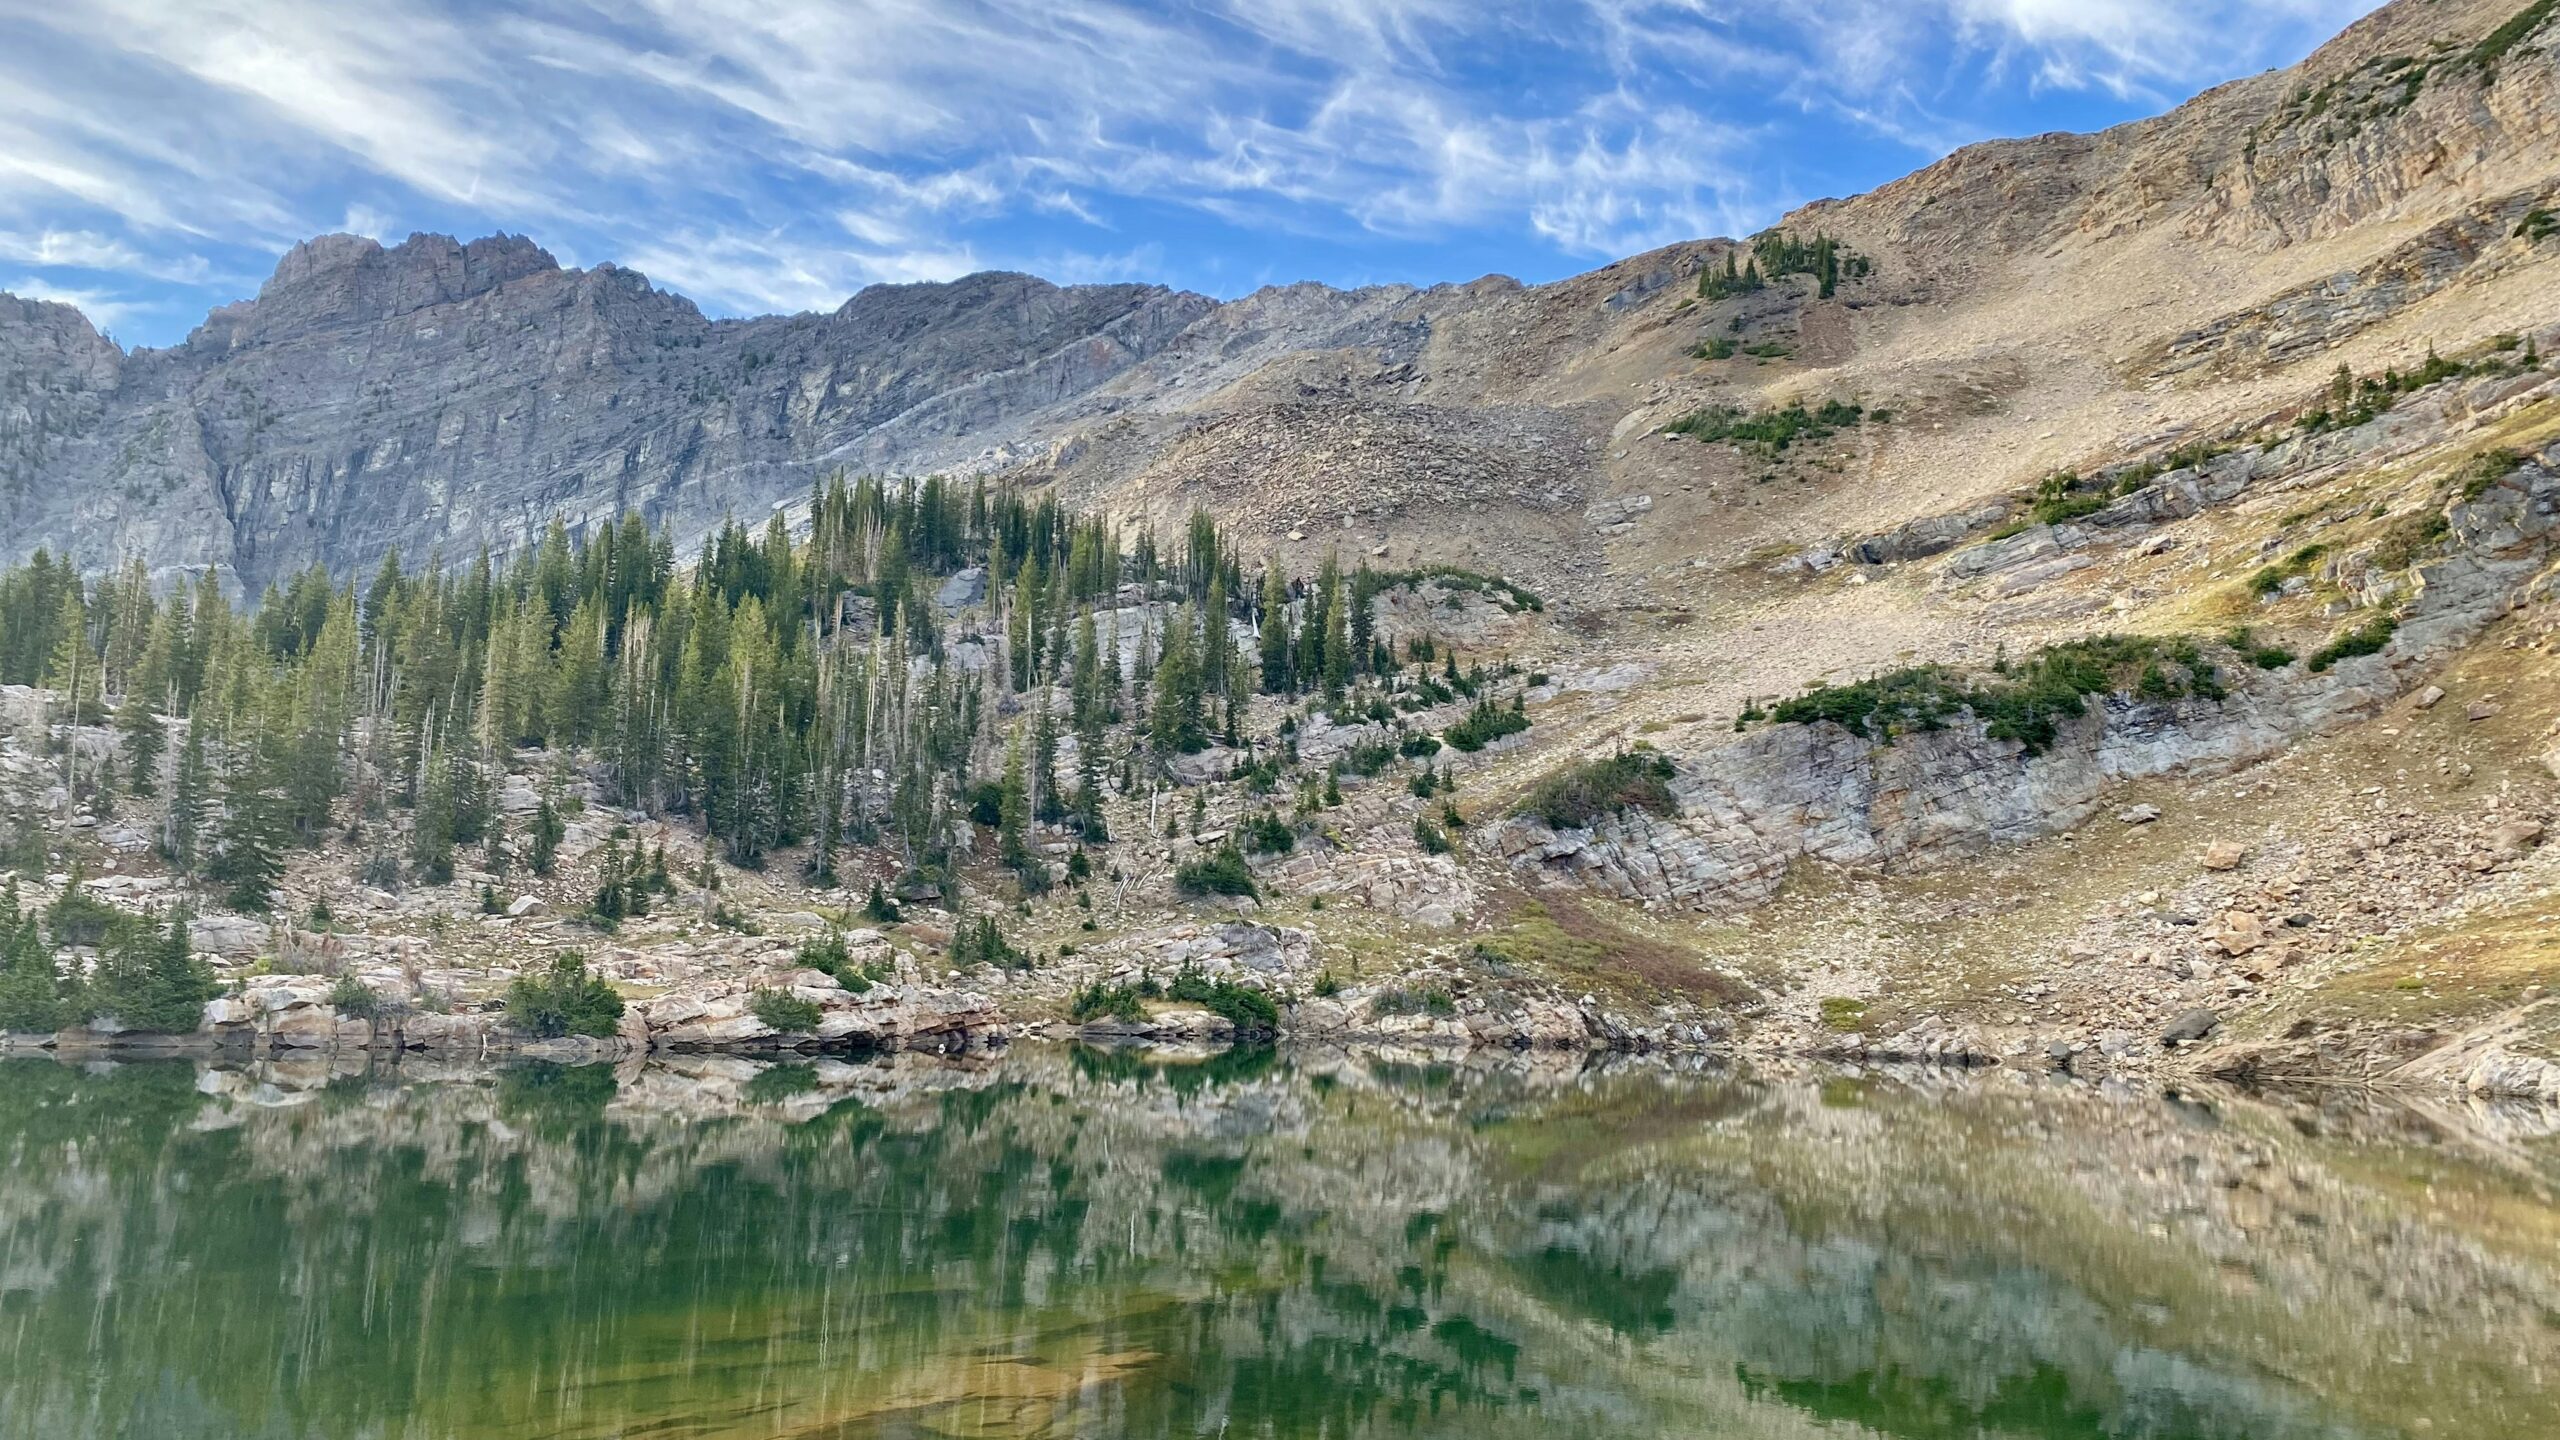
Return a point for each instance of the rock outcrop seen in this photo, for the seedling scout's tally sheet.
(1751, 809)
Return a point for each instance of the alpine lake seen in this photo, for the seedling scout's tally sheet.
(1067, 1241)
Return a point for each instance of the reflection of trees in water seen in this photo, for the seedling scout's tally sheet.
(1392, 1250)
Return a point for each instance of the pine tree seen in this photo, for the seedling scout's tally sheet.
(1275, 630)
(544, 852)
(1048, 802)
(1337, 632)
(75, 670)
(190, 794)
(576, 701)
(248, 842)
(431, 827)
(1215, 648)
(145, 740)
(1174, 719)
(159, 986)
(1013, 810)
(1022, 623)
(31, 987)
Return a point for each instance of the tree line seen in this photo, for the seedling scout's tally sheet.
(782, 690)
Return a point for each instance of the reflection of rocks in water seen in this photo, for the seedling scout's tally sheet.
(1272, 1242)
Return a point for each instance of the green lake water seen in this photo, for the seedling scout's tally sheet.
(1080, 1243)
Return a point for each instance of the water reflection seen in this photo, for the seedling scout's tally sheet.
(1102, 1243)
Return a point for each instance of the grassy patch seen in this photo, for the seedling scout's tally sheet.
(1566, 942)
(2410, 539)
(2270, 579)
(2519, 27)
(2478, 966)
(1844, 1013)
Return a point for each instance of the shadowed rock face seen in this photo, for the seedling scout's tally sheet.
(438, 393)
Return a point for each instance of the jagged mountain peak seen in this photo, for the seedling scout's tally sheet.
(339, 280)
(476, 265)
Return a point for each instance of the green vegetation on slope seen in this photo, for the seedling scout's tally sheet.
(2024, 701)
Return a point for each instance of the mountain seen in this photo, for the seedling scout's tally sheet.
(2097, 593)
(440, 394)
(2038, 300)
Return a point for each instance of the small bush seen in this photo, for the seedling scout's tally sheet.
(356, 1000)
(2060, 497)
(1222, 873)
(785, 1011)
(1248, 1009)
(979, 942)
(1486, 723)
(564, 999)
(1841, 1012)
(2484, 470)
(1366, 760)
(1328, 985)
(1267, 834)
(77, 917)
(1413, 1002)
(828, 953)
(2265, 656)
(1585, 792)
(2365, 639)
(1098, 1001)
(1430, 838)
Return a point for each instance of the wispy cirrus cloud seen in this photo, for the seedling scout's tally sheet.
(776, 154)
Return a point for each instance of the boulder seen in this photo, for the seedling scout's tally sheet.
(2241, 932)
(2225, 855)
(964, 589)
(228, 934)
(2515, 837)
(2190, 1027)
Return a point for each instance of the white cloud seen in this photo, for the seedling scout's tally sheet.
(774, 273)
(779, 153)
(71, 249)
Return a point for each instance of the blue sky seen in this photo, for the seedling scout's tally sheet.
(774, 155)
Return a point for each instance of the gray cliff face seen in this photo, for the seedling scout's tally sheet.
(446, 395)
